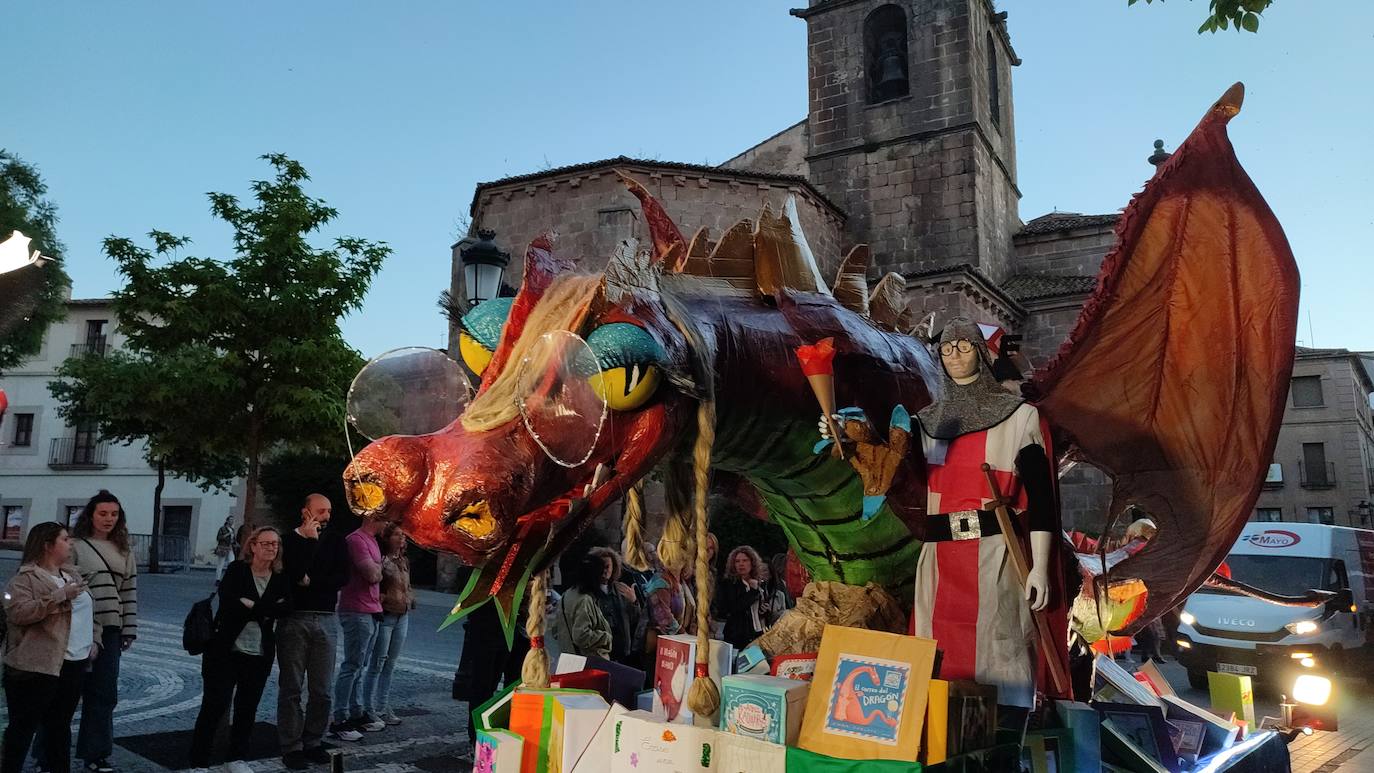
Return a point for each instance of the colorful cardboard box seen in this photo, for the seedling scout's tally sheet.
(868, 698)
(1232, 692)
(531, 717)
(674, 670)
(575, 720)
(769, 708)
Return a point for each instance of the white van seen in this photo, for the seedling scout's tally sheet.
(1225, 632)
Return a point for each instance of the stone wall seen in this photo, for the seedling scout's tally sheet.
(1046, 326)
(1078, 252)
(783, 153)
(592, 211)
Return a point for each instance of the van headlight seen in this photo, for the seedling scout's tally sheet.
(1187, 617)
(1302, 627)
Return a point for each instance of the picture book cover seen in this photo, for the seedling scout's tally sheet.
(1119, 748)
(764, 707)
(868, 696)
(1145, 728)
(800, 666)
(497, 751)
(972, 717)
(587, 679)
(674, 670)
(1218, 733)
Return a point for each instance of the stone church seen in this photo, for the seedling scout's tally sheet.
(908, 145)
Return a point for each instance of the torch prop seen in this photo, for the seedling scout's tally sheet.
(817, 362)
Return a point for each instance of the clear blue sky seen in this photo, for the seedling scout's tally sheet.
(134, 110)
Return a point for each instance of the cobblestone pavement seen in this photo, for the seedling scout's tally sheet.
(160, 687)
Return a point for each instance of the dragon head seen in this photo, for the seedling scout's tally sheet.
(586, 382)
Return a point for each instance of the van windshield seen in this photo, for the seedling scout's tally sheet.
(1284, 575)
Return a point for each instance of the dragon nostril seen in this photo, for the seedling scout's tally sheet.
(476, 520)
(366, 497)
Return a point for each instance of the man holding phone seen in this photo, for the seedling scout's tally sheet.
(316, 564)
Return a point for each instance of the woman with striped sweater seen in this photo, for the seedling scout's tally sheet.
(102, 555)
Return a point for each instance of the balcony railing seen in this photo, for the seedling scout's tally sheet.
(94, 347)
(68, 454)
(1323, 476)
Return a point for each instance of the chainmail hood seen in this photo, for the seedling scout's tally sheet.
(968, 408)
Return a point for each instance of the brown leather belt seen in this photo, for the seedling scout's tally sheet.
(961, 525)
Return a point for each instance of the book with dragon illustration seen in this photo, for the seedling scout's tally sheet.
(868, 697)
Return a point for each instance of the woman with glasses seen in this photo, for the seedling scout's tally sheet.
(252, 595)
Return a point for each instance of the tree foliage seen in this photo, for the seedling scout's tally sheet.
(1229, 14)
(23, 207)
(248, 347)
(290, 475)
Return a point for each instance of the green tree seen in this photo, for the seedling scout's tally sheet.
(249, 347)
(23, 207)
(1228, 14)
(132, 398)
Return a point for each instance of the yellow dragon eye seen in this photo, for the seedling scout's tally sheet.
(476, 356)
(625, 389)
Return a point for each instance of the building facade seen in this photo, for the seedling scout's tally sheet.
(1323, 467)
(48, 469)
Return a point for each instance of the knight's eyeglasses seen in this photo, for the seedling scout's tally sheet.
(963, 345)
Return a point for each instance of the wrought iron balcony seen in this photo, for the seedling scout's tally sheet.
(1323, 476)
(68, 454)
(92, 347)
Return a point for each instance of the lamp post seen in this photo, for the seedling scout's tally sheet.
(483, 266)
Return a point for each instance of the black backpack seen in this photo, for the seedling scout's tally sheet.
(199, 626)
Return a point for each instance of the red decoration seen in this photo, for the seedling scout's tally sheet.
(537, 642)
(703, 671)
(817, 359)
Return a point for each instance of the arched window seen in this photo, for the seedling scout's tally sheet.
(885, 60)
(994, 86)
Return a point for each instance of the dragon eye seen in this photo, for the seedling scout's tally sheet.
(625, 389)
(628, 359)
(476, 356)
(481, 332)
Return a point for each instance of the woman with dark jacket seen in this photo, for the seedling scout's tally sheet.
(620, 604)
(739, 602)
(252, 595)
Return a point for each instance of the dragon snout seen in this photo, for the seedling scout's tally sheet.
(383, 478)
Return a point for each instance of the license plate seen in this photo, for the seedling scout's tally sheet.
(1232, 668)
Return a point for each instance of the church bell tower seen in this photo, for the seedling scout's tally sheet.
(911, 131)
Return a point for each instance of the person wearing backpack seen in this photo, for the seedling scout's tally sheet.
(253, 594)
(49, 645)
(101, 555)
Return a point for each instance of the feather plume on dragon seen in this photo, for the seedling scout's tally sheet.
(1172, 382)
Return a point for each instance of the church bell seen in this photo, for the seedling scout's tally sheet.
(891, 81)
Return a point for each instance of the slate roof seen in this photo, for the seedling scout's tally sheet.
(676, 166)
(1030, 287)
(1055, 222)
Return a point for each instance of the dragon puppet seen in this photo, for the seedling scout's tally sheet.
(1172, 382)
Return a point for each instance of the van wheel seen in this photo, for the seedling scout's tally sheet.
(1197, 679)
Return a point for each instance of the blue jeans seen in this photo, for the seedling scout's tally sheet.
(359, 635)
(391, 637)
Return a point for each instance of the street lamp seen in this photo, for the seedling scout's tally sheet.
(483, 266)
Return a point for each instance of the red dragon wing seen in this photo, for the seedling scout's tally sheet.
(1175, 376)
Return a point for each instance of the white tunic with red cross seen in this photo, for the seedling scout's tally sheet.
(968, 597)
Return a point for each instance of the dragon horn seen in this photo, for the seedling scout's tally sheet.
(851, 284)
(669, 246)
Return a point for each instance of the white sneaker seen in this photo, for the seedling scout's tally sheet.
(369, 723)
(389, 717)
(344, 731)
(238, 766)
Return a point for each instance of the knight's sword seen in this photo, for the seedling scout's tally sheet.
(1018, 562)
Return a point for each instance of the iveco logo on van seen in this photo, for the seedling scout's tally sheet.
(1235, 621)
(1273, 538)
